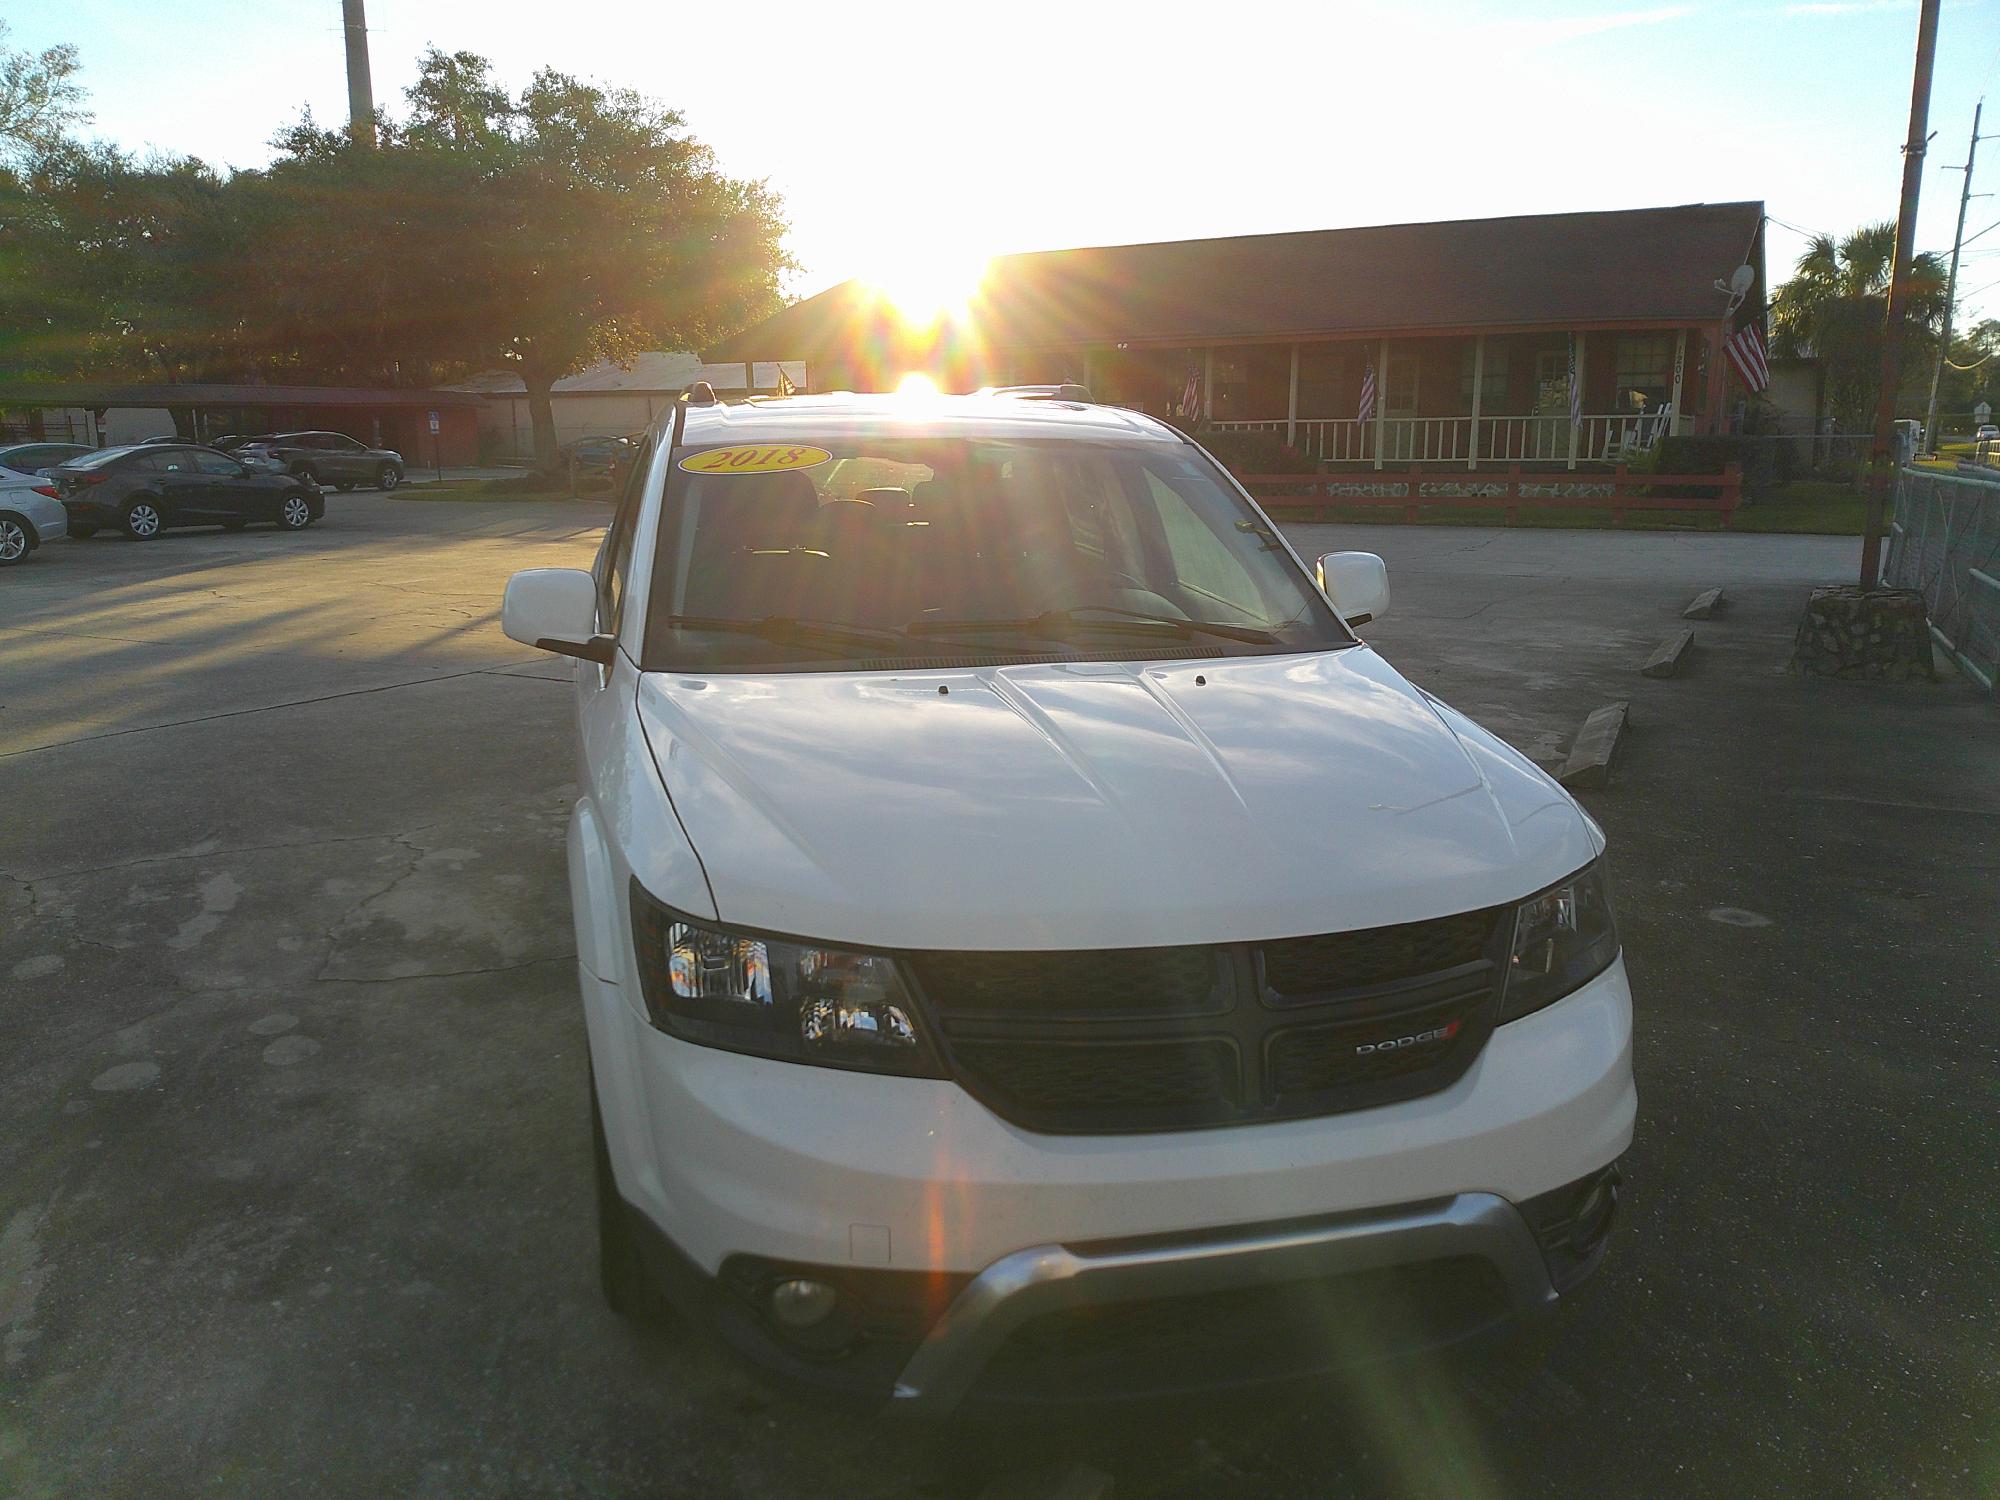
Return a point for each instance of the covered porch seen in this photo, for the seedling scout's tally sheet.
(1462, 400)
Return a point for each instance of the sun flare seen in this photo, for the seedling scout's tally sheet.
(932, 288)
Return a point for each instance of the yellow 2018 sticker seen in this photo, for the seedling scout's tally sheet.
(754, 458)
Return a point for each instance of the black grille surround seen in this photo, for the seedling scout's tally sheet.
(1117, 1041)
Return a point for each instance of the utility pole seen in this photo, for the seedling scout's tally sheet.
(360, 91)
(1951, 281)
(1881, 459)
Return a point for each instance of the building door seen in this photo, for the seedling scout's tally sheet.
(1399, 403)
(1550, 438)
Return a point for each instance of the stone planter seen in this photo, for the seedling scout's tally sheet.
(1849, 631)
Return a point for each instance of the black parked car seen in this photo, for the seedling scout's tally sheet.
(263, 464)
(330, 458)
(148, 487)
(37, 458)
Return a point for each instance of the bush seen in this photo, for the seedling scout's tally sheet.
(1710, 455)
(1256, 452)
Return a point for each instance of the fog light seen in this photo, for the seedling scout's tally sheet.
(800, 1303)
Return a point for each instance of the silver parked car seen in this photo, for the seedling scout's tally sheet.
(30, 514)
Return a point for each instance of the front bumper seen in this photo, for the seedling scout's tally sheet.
(988, 1264)
(1481, 1239)
(1253, 1308)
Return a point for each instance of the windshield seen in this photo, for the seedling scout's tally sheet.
(890, 552)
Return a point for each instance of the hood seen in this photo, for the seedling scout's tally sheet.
(1100, 804)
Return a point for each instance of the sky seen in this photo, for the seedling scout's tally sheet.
(903, 136)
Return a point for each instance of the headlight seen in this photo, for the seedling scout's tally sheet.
(776, 997)
(1563, 938)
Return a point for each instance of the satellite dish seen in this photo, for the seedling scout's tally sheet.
(1738, 286)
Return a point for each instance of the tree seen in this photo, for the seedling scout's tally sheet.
(540, 230)
(40, 100)
(1836, 309)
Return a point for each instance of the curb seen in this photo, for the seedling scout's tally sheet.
(1589, 763)
(1669, 654)
(1703, 605)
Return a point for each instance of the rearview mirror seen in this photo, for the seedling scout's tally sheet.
(1357, 583)
(555, 609)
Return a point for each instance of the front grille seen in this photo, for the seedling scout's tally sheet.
(1097, 981)
(1365, 1052)
(1178, 1038)
(1106, 1075)
(1347, 960)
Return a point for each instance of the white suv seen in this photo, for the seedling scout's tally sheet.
(1031, 948)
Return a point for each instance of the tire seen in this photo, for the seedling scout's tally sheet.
(343, 485)
(16, 540)
(621, 1261)
(143, 520)
(83, 531)
(294, 513)
(388, 477)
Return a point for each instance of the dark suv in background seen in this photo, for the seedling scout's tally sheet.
(329, 458)
(146, 488)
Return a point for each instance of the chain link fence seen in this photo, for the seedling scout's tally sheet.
(1944, 539)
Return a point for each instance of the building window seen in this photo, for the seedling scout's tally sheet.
(1552, 382)
(1400, 389)
(1645, 365)
(1492, 379)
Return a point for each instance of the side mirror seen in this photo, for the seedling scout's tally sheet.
(1357, 583)
(555, 609)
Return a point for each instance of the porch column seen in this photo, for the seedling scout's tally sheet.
(1582, 346)
(1478, 381)
(1680, 368)
(1381, 394)
(1292, 403)
(1208, 384)
(1717, 388)
(749, 379)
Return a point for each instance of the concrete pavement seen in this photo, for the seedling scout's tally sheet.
(294, 1192)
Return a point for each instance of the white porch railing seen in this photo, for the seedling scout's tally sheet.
(1606, 438)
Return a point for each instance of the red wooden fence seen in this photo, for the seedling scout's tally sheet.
(1417, 489)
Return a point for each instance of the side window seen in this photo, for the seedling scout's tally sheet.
(348, 445)
(614, 558)
(216, 463)
(172, 461)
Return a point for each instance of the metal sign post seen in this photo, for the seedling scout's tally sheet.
(437, 456)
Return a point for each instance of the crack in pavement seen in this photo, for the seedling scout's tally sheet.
(526, 963)
(238, 713)
(163, 859)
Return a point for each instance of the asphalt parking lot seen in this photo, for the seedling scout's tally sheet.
(294, 1183)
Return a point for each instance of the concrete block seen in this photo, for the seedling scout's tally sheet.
(1704, 604)
(1589, 763)
(1668, 655)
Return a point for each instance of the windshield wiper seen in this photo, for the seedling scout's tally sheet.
(1056, 623)
(790, 631)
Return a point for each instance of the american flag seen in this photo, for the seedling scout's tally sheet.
(1190, 407)
(785, 386)
(1745, 348)
(1367, 411)
(1575, 386)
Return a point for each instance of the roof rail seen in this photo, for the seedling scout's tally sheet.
(1067, 391)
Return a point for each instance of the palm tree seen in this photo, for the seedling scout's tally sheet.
(1836, 308)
